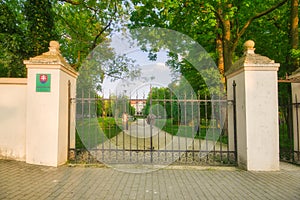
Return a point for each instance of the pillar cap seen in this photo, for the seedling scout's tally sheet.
(295, 76)
(249, 47)
(251, 59)
(54, 46)
(50, 58)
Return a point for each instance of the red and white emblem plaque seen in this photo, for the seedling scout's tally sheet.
(43, 78)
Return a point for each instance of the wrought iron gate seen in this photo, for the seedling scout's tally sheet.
(159, 129)
(289, 132)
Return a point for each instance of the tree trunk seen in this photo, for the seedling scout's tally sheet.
(294, 24)
(219, 49)
(294, 36)
(227, 51)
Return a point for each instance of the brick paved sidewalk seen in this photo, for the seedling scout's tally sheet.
(23, 181)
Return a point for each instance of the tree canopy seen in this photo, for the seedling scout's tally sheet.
(220, 26)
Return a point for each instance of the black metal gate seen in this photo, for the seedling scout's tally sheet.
(289, 132)
(159, 129)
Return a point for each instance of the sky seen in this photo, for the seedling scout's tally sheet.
(158, 74)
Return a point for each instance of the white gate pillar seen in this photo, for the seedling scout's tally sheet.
(295, 78)
(47, 126)
(256, 110)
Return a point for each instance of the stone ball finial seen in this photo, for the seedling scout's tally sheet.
(249, 46)
(54, 46)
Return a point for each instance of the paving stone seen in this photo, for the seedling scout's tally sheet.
(19, 180)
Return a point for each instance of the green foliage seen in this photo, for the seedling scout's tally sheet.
(180, 104)
(104, 108)
(295, 53)
(114, 107)
(203, 21)
(190, 131)
(121, 105)
(183, 16)
(103, 62)
(271, 36)
(92, 132)
(78, 142)
(27, 26)
(109, 126)
(82, 25)
(12, 45)
(39, 16)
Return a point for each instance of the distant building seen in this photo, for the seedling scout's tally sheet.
(138, 104)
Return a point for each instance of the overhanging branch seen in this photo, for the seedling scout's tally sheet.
(104, 29)
(247, 24)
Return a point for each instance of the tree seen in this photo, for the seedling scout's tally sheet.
(294, 34)
(27, 27)
(85, 28)
(208, 22)
(12, 46)
(41, 30)
(79, 25)
(83, 25)
(230, 21)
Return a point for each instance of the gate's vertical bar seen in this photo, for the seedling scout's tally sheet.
(185, 123)
(69, 118)
(127, 128)
(144, 129)
(82, 117)
(137, 125)
(219, 126)
(158, 101)
(193, 127)
(89, 127)
(297, 127)
(103, 138)
(199, 125)
(158, 133)
(213, 122)
(172, 125)
(166, 117)
(96, 110)
(234, 121)
(151, 139)
(179, 124)
(228, 102)
(290, 127)
(206, 129)
(116, 125)
(123, 129)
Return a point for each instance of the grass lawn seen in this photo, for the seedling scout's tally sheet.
(205, 132)
(92, 132)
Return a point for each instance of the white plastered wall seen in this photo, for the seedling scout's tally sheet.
(13, 118)
(257, 116)
(64, 115)
(241, 118)
(296, 124)
(42, 120)
(262, 120)
(47, 121)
